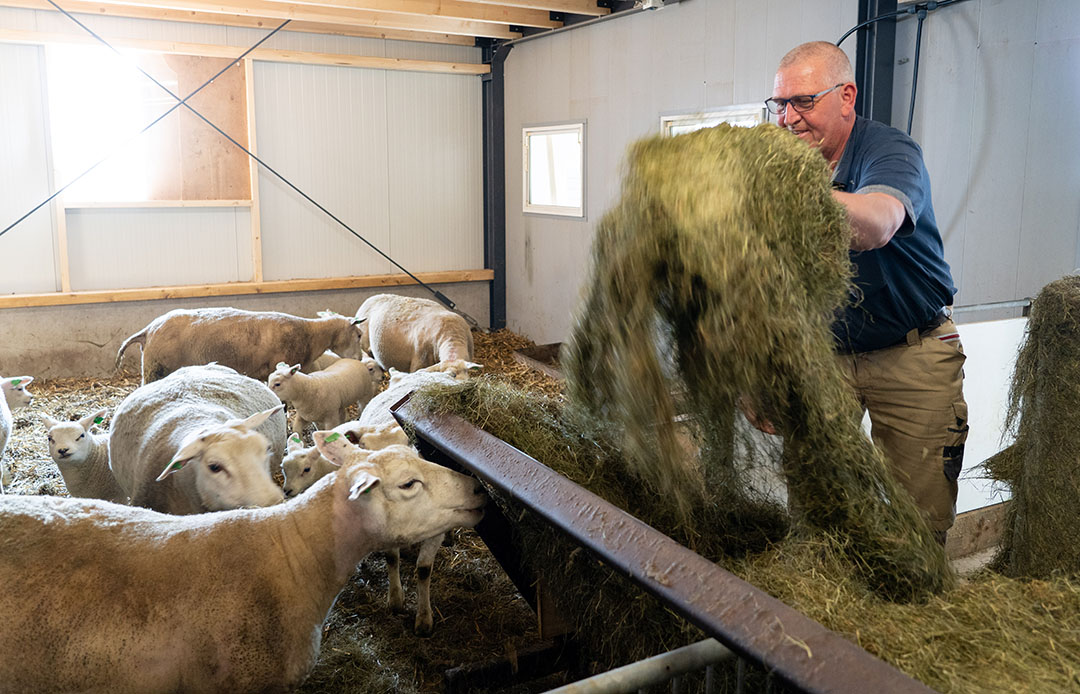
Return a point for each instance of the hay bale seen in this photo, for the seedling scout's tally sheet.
(716, 276)
(1042, 467)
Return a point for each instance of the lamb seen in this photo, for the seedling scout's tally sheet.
(323, 396)
(6, 424)
(409, 333)
(251, 342)
(204, 438)
(83, 457)
(15, 395)
(304, 467)
(221, 602)
(15, 391)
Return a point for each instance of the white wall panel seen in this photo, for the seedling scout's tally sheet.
(158, 247)
(435, 171)
(27, 259)
(323, 129)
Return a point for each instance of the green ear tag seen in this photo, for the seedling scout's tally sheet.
(98, 420)
(295, 437)
(16, 381)
(176, 465)
(333, 437)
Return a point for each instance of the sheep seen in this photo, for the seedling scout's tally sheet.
(251, 342)
(83, 457)
(303, 467)
(231, 426)
(15, 391)
(232, 601)
(323, 396)
(6, 424)
(409, 333)
(377, 412)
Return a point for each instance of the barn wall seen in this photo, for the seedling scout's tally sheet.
(621, 76)
(77, 341)
(395, 155)
(997, 88)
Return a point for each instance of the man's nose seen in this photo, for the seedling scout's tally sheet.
(787, 115)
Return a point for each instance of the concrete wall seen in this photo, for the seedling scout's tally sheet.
(82, 340)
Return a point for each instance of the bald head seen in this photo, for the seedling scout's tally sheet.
(828, 60)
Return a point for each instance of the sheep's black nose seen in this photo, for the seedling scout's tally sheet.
(62, 451)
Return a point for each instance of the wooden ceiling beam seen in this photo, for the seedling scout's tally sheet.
(100, 9)
(327, 15)
(447, 9)
(585, 7)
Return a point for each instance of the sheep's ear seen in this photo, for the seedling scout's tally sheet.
(362, 483)
(327, 313)
(92, 419)
(294, 368)
(281, 365)
(473, 368)
(20, 381)
(256, 419)
(335, 447)
(357, 321)
(48, 421)
(294, 443)
(192, 449)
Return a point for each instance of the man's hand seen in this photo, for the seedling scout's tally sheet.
(750, 411)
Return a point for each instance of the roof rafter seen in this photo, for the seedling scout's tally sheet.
(586, 7)
(448, 9)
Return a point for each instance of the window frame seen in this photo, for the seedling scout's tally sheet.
(562, 211)
(724, 114)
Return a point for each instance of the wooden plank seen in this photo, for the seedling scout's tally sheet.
(253, 173)
(976, 530)
(96, 8)
(240, 288)
(586, 7)
(151, 204)
(312, 13)
(58, 208)
(265, 54)
(449, 9)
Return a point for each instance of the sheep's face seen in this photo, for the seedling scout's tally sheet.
(303, 467)
(69, 442)
(233, 471)
(350, 342)
(15, 391)
(403, 498)
(279, 380)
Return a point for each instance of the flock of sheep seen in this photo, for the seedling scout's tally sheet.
(131, 585)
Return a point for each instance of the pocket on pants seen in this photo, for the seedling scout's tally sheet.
(955, 438)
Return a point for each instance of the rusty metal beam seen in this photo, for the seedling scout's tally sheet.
(750, 622)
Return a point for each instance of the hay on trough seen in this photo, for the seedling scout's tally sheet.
(715, 279)
(1042, 467)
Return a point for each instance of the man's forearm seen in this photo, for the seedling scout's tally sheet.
(874, 218)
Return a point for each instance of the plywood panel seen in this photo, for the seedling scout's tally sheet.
(27, 251)
(324, 129)
(435, 171)
(155, 247)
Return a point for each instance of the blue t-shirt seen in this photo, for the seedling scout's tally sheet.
(905, 283)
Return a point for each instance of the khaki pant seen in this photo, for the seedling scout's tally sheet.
(914, 394)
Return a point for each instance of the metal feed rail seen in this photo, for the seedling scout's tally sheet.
(753, 624)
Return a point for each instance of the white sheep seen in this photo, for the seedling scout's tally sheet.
(303, 467)
(377, 412)
(204, 438)
(409, 333)
(15, 392)
(123, 599)
(83, 457)
(323, 396)
(252, 342)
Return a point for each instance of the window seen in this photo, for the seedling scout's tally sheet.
(746, 115)
(98, 104)
(554, 175)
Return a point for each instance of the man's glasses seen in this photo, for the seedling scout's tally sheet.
(801, 103)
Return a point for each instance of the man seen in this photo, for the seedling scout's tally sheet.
(895, 341)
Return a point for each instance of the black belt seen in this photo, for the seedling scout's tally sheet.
(935, 322)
